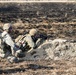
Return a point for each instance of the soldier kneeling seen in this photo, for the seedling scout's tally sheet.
(8, 44)
(31, 40)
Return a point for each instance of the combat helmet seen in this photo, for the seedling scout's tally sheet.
(32, 32)
(6, 26)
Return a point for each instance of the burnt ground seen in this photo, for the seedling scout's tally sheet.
(42, 67)
(57, 20)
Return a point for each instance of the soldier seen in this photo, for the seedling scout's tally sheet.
(37, 37)
(31, 40)
(8, 43)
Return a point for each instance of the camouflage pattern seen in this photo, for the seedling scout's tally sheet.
(28, 42)
(8, 45)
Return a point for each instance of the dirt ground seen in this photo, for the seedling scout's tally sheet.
(40, 67)
(58, 21)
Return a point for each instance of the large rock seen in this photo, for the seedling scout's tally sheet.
(53, 49)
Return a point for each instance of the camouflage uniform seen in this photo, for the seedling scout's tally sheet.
(8, 44)
(31, 40)
(26, 43)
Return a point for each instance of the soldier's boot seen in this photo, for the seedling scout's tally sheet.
(12, 59)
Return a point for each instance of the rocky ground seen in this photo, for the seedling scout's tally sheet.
(57, 20)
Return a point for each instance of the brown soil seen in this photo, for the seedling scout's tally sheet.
(41, 67)
(58, 21)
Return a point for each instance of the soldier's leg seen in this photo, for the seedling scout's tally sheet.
(4, 50)
(17, 52)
